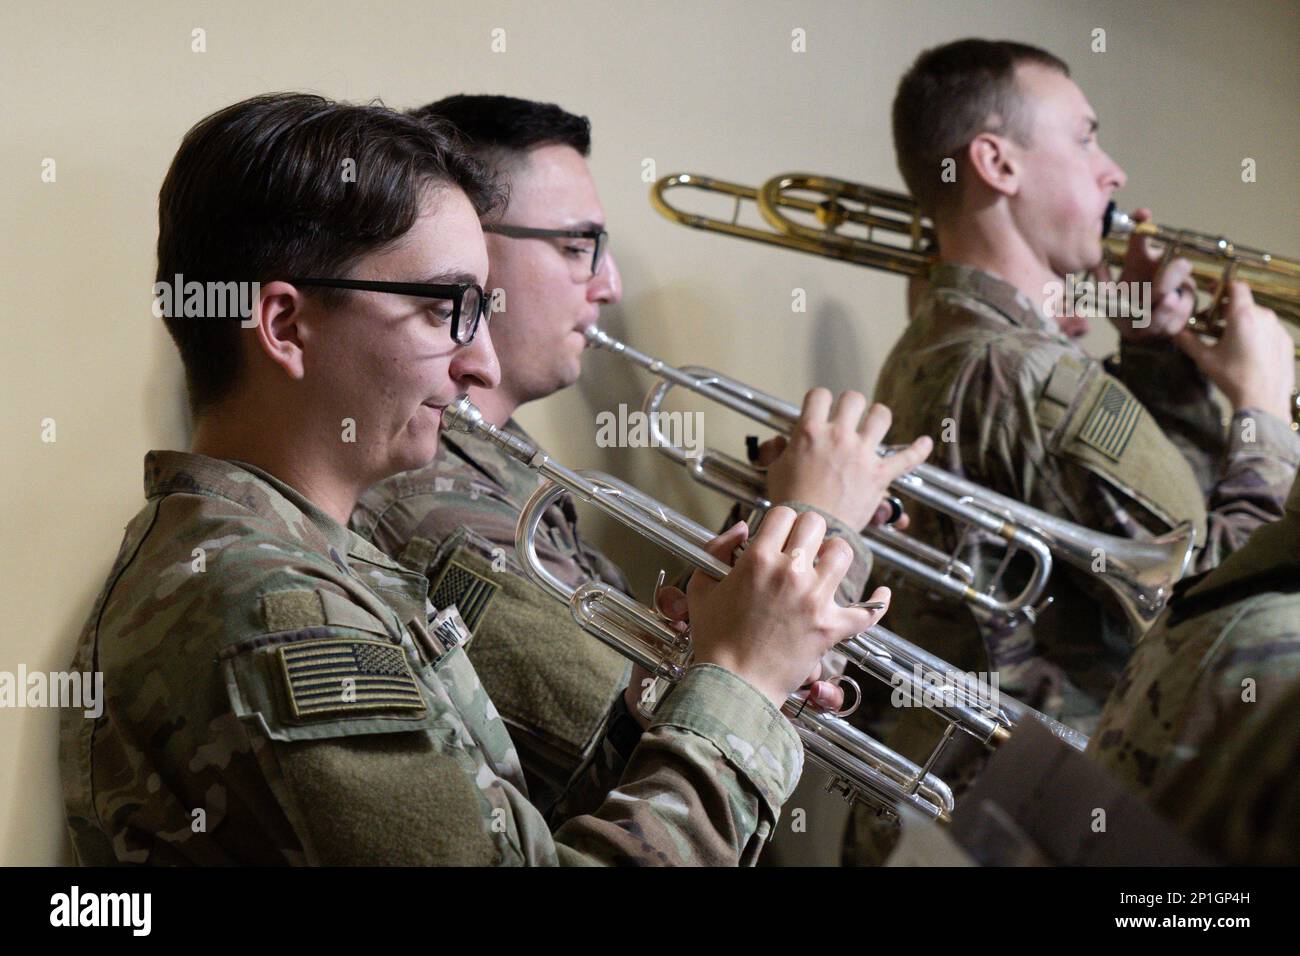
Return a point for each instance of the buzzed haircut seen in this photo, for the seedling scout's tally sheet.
(950, 95)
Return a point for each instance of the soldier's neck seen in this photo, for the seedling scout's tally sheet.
(288, 454)
(1004, 254)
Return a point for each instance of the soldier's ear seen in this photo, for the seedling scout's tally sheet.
(993, 161)
(277, 324)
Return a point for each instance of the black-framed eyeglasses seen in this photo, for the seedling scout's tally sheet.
(599, 238)
(467, 305)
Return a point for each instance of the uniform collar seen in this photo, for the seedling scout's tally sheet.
(171, 472)
(515, 478)
(954, 278)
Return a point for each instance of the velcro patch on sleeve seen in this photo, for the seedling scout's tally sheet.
(345, 676)
(1111, 421)
(292, 610)
(470, 591)
(418, 554)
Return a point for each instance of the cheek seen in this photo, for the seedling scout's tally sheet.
(396, 379)
(337, 371)
(1070, 194)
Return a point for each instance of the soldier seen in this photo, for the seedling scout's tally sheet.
(279, 691)
(454, 520)
(999, 147)
(1227, 645)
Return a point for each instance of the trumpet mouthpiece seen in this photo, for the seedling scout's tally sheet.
(1116, 222)
(462, 415)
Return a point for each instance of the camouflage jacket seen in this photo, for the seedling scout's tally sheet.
(454, 521)
(276, 690)
(1016, 407)
(1239, 797)
(1228, 644)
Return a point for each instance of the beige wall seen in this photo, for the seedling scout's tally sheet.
(1185, 91)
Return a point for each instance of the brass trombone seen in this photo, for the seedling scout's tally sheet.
(860, 766)
(1140, 574)
(893, 214)
(899, 239)
(890, 233)
(1274, 280)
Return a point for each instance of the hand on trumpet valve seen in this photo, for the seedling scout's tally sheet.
(890, 511)
(774, 616)
(1173, 289)
(1253, 360)
(831, 460)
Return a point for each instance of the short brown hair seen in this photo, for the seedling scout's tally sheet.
(950, 95)
(256, 192)
(496, 127)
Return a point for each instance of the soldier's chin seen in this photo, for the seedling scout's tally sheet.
(569, 375)
(1096, 257)
(420, 450)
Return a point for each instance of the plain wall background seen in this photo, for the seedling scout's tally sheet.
(1185, 91)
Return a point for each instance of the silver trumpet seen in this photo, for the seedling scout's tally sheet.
(1140, 574)
(860, 767)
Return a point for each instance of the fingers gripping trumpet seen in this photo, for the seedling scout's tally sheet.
(1140, 574)
(860, 767)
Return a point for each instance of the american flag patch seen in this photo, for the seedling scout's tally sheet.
(340, 676)
(470, 592)
(1111, 422)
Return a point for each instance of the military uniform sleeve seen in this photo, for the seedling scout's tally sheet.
(1258, 468)
(1228, 643)
(1179, 398)
(1240, 797)
(704, 786)
(603, 768)
(1073, 440)
(418, 769)
(1180, 683)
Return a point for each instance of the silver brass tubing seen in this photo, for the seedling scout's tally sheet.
(1140, 574)
(861, 766)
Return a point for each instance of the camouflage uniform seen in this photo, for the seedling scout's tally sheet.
(1240, 796)
(1031, 416)
(1129, 448)
(1228, 645)
(278, 691)
(454, 521)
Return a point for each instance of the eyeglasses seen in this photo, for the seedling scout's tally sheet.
(598, 238)
(468, 304)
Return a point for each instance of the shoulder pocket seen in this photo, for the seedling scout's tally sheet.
(1093, 420)
(322, 682)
